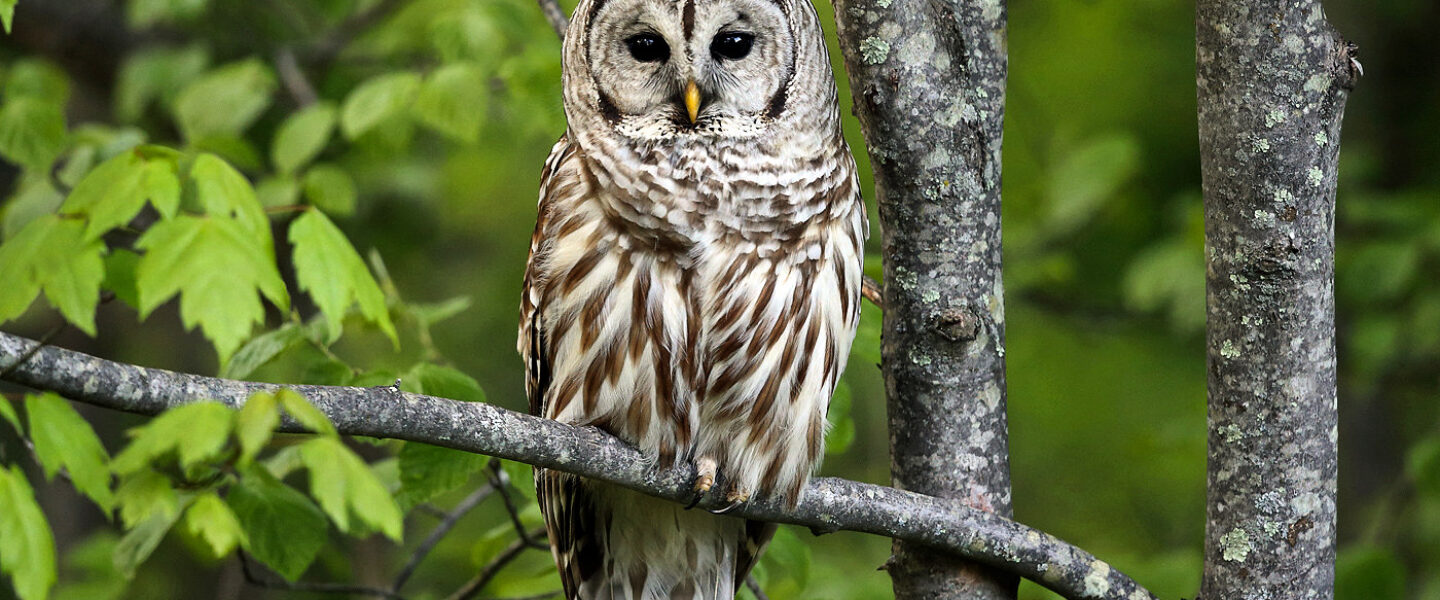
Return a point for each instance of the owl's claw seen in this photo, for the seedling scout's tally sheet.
(736, 497)
(705, 471)
(728, 507)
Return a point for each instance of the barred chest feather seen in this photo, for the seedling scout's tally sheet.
(698, 301)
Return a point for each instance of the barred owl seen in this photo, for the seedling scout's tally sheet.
(694, 279)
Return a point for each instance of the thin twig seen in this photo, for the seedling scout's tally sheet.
(294, 78)
(331, 45)
(305, 586)
(509, 554)
(432, 511)
(872, 291)
(501, 480)
(555, 15)
(439, 532)
(755, 587)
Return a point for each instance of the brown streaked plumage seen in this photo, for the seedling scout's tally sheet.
(694, 279)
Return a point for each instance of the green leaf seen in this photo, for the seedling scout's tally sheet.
(255, 424)
(216, 266)
(261, 349)
(120, 276)
(277, 191)
(283, 529)
(32, 132)
(329, 269)
(787, 562)
(1087, 177)
(145, 13)
(50, 253)
(38, 79)
(521, 475)
(305, 413)
(225, 101)
(139, 543)
(1369, 573)
(27, 549)
(432, 313)
(195, 433)
(88, 572)
(34, 197)
(427, 471)
(330, 189)
(223, 191)
(114, 192)
(7, 412)
(376, 100)
(155, 73)
(452, 101)
(1169, 275)
(302, 136)
(64, 440)
(143, 495)
(1422, 466)
(212, 521)
(345, 487)
(444, 382)
(7, 13)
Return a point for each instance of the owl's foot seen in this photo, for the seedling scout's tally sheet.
(705, 471)
(735, 497)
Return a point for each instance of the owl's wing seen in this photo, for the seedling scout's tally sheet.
(564, 501)
(531, 341)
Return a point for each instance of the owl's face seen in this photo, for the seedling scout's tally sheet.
(699, 67)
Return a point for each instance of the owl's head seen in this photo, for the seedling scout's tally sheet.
(655, 69)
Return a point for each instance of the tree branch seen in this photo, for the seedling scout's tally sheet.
(555, 15)
(829, 504)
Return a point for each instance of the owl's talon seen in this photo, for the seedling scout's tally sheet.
(705, 471)
(735, 497)
(728, 507)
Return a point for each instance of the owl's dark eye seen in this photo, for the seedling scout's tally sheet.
(648, 47)
(733, 45)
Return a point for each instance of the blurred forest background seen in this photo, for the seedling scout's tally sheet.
(1103, 263)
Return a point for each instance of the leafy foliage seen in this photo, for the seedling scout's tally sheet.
(327, 267)
(27, 550)
(64, 440)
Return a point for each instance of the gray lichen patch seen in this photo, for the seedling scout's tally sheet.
(874, 50)
(1235, 545)
(1097, 581)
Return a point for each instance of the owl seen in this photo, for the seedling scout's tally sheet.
(694, 280)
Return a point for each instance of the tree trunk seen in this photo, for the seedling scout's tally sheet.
(928, 80)
(1272, 79)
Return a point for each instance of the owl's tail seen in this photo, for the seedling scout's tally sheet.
(614, 544)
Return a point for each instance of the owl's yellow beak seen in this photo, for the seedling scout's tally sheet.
(692, 100)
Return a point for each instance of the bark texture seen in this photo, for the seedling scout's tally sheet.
(1272, 79)
(928, 79)
(828, 505)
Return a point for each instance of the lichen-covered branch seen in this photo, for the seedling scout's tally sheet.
(1272, 79)
(928, 79)
(829, 504)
